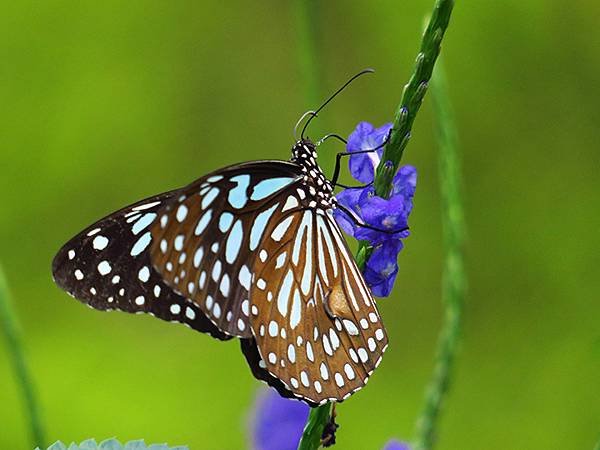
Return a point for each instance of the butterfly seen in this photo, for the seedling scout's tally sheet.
(251, 251)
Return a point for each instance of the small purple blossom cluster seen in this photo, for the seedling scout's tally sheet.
(278, 423)
(382, 216)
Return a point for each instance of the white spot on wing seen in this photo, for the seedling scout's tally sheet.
(144, 274)
(141, 244)
(100, 242)
(104, 268)
(265, 188)
(296, 314)
(203, 222)
(237, 196)
(209, 197)
(146, 206)
(234, 242)
(245, 277)
(290, 203)
(281, 229)
(181, 213)
(143, 222)
(93, 232)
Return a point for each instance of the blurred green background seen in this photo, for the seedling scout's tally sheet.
(104, 103)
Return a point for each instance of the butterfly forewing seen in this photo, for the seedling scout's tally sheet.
(206, 242)
(107, 266)
(316, 325)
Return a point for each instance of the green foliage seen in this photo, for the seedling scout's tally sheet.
(453, 276)
(12, 334)
(112, 444)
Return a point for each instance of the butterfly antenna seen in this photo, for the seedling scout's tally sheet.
(316, 113)
(300, 121)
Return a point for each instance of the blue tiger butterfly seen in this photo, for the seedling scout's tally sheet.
(251, 251)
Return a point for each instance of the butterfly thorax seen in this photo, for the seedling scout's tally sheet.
(319, 189)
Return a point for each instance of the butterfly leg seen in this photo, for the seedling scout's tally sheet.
(361, 186)
(338, 161)
(339, 156)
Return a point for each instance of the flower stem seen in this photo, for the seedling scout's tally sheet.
(11, 331)
(453, 278)
(410, 102)
(317, 419)
(412, 95)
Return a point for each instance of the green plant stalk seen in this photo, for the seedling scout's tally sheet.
(410, 102)
(317, 419)
(412, 95)
(12, 335)
(307, 31)
(453, 277)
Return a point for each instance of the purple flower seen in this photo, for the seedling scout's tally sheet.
(387, 217)
(382, 267)
(396, 445)
(278, 422)
(366, 137)
(349, 198)
(380, 221)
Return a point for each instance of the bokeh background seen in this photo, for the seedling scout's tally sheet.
(103, 103)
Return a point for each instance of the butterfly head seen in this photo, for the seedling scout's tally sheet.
(304, 154)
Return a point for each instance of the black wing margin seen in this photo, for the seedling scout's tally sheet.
(107, 266)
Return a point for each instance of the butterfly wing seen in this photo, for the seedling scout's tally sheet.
(206, 241)
(107, 266)
(316, 324)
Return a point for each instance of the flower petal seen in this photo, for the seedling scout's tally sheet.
(366, 137)
(349, 199)
(382, 267)
(396, 445)
(278, 422)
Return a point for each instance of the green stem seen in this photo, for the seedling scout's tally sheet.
(453, 278)
(306, 28)
(412, 95)
(410, 102)
(317, 419)
(12, 334)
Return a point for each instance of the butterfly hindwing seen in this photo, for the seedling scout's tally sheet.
(107, 266)
(260, 372)
(316, 325)
(207, 240)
